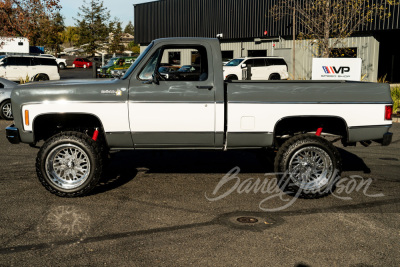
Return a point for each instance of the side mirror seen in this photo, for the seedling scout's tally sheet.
(243, 66)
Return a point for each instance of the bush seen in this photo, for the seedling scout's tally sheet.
(396, 98)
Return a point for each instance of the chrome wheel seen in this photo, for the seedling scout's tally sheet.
(67, 166)
(7, 111)
(310, 168)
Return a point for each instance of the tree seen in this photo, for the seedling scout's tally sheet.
(129, 28)
(51, 34)
(115, 36)
(70, 35)
(328, 22)
(92, 25)
(134, 47)
(24, 17)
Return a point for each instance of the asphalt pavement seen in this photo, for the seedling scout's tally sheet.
(174, 208)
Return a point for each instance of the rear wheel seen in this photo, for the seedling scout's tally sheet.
(309, 166)
(69, 164)
(274, 76)
(232, 77)
(41, 77)
(5, 110)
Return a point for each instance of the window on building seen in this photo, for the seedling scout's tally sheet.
(227, 55)
(257, 53)
(350, 52)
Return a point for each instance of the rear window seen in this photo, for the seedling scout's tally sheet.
(45, 61)
(276, 61)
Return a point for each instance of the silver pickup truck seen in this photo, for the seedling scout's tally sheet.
(80, 121)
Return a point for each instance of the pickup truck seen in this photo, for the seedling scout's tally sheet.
(80, 121)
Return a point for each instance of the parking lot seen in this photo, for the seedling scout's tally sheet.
(174, 208)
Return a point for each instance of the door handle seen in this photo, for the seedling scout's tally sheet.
(208, 87)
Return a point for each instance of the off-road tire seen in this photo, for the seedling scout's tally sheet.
(52, 165)
(313, 158)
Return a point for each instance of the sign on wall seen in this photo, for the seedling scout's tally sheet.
(336, 69)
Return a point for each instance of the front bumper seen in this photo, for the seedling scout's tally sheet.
(12, 134)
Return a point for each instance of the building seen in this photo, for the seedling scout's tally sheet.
(247, 28)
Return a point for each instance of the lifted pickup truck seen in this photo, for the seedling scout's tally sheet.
(81, 120)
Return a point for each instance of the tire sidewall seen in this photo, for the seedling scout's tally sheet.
(302, 142)
(87, 147)
(2, 115)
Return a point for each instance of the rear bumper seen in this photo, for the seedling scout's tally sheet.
(12, 134)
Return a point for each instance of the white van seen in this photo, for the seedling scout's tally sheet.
(262, 68)
(17, 67)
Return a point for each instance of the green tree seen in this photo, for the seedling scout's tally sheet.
(70, 35)
(328, 22)
(115, 36)
(134, 47)
(129, 28)
(92, 25)
(53, 34)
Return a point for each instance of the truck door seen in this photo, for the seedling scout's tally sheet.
(175, 108)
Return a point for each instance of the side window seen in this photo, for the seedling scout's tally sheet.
(192, 65)
(1, 85)
(18, 61)
(45, 61)
(259, 62)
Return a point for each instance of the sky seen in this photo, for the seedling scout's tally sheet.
(122, 9)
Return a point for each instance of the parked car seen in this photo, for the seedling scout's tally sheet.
(115, 66)
(61, 62)
(82, 63)
(262, 68)
(6, 87)
(27, 67)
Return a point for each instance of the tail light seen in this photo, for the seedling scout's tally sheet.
(388, 112)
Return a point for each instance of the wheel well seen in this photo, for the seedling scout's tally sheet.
(230, 76)
(45, 126)
(274, 74)
(291, 126)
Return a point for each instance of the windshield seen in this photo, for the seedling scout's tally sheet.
(111, 62)
(234, 62)
(137, 61)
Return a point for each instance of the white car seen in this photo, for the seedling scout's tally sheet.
(6, 87)
(62, 62)
(33, 68)
(262, 68)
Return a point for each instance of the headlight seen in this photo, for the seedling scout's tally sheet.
(98, 70)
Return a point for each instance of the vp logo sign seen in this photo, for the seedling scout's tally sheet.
(333, 70)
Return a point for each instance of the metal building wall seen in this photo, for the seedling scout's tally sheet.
(367, 50)
(236, 19)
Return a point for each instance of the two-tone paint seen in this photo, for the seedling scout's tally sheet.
(209, 114)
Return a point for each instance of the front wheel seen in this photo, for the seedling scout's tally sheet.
(69, 164)
(84, 66)
(308, 166)
(6, 111)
